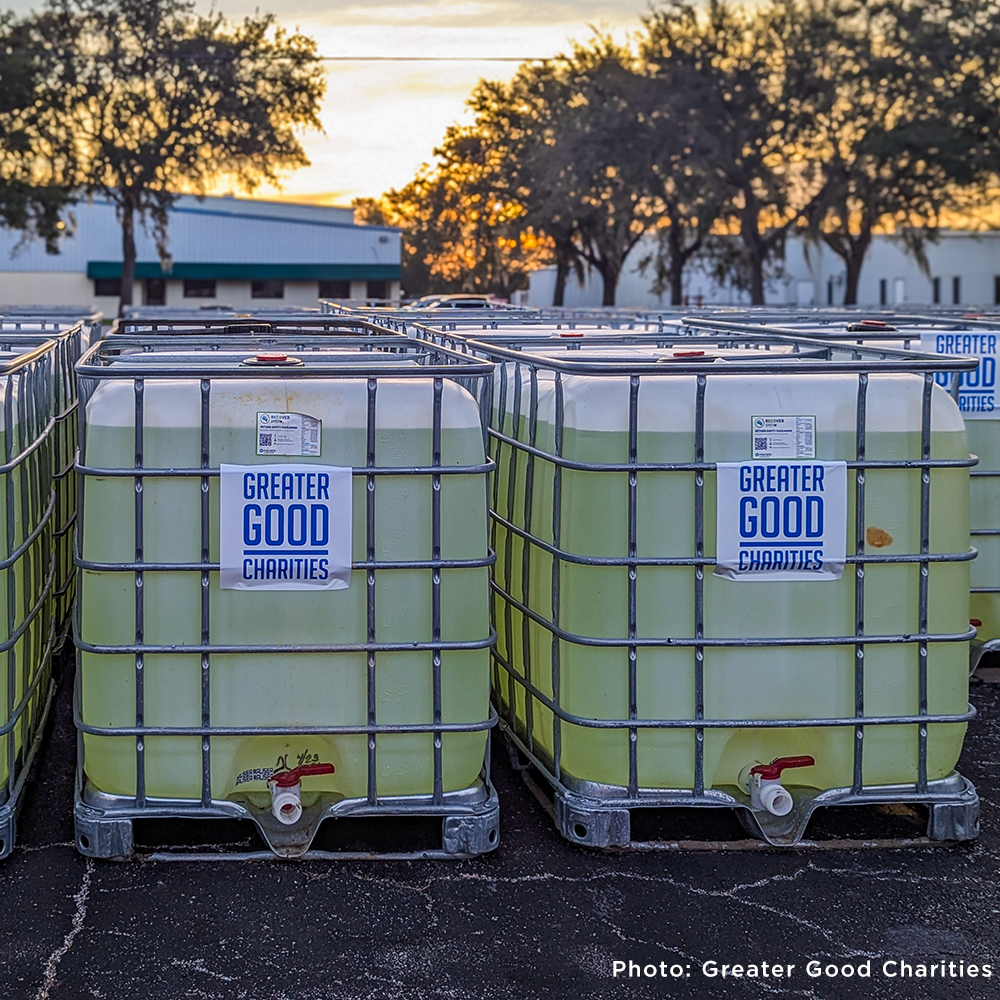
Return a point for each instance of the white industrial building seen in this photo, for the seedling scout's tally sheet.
(963, 269)
(223, 251)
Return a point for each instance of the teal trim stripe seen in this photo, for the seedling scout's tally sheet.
(251, 272)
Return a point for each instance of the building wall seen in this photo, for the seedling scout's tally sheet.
(814, 275)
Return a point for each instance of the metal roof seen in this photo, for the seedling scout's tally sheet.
(219, 238)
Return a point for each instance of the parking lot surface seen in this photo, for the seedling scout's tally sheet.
(537, 918)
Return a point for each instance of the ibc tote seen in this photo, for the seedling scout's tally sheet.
(678, 626)
(27, 566)
(284, 588)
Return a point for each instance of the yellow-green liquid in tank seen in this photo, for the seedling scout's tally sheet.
(296, 688)
(789, 682)
(984, 441)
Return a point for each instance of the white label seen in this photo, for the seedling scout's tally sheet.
(784, 437)
(288, 434)
(781, 520)
(284, 527)
(977, 396)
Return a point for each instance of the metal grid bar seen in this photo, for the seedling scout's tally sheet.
(860, 521)
(699, 588)
(436, 589)
(633, 482)
(556, 571)
(925, 528)
(140, 696)
(206, 618)
(372, 388)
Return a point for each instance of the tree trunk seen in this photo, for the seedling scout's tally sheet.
(562, 273)
(854, 261)
(609, 274)
(128, 257)
(676, 283)
(749, 230)
(677, 261)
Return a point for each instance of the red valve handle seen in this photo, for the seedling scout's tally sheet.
(769, 772)
(285, 779)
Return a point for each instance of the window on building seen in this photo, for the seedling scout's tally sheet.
(108, 286)
(956, 291)
(883, 291)
(339, 288)
(996, 290)
(378, 290)
(936, 291)
(155, 292)
(199, 288)
(267, 288)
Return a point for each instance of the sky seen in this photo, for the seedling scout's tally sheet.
(383, 119)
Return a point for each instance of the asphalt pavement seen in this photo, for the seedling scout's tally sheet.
(538, 918)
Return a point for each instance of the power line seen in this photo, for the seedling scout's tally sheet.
(504, 59)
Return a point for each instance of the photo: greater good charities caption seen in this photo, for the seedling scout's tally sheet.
(890, 968)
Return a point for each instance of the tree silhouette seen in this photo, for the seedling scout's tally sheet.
(155, 101)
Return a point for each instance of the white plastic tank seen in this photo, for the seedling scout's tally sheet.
(278, 669)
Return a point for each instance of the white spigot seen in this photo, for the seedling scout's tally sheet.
(286, 791)
(767, 793)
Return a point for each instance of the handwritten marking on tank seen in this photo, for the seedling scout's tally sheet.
(878, 538)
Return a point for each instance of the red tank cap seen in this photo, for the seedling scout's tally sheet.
(878, 324)
(772, 771)
(570, 334)
(286, 779)
(975, 623)
(689, 354)
(272, 358)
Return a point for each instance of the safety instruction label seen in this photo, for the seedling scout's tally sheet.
(784, 437)
(977, 390)
(781, 520)
(288, 434)
(284, 527)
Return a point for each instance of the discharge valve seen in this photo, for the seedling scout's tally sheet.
(286, 791)
(766, 789)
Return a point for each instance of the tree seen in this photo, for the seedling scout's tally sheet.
(729, 62)
(34, 166)
(890, 156)
(157, 101)
(459, 233)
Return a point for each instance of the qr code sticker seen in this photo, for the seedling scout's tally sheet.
(760, 444)
(266, 441)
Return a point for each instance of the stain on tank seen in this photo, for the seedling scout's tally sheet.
(878, 538)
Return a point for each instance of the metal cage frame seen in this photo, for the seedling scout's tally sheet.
(598, 815)
(470, 818)
(29, 452)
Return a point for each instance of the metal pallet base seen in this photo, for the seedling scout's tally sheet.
(10, 809)
(594, 815)
(470, 824)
